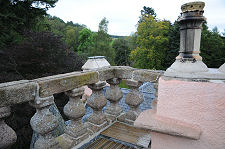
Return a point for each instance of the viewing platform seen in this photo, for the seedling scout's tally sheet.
(187, 110)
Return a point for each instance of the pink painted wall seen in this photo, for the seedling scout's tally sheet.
(200, 103)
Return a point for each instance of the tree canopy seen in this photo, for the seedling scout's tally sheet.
(18, 15)
(152, 42)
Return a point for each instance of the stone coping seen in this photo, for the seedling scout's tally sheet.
(210, 74)
(151, 121)
(26, 90)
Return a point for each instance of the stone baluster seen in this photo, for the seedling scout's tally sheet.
(97, 101)
(155, 100)
(75, 132)
(44, 122)
(7, 134)
(133, 99)
(113, 94)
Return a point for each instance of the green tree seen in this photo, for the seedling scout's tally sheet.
(174, 45)
(102, 43)
(85, 42)
(212, 47)
(103, 26)
(71, 37)
(145, 12)
(122, 51)
(152, 41)
(18, 15)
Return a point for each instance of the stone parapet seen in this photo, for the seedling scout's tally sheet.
(167, 125)
(39, 92)
(17, 92)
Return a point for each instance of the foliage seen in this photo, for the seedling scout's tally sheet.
(102, 43)
(17, 15)
(212, 47)
(71, 37)
(174, 45)
(69, 31)
(103, 25)
(122, 51)
(123, 84)
(152, 41)
(85, 42)
(37, 51)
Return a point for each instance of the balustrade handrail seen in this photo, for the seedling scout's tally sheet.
(16, 92)
(39, 92)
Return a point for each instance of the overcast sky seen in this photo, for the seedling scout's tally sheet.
(123, 14)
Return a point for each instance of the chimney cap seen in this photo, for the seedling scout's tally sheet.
(193, 6)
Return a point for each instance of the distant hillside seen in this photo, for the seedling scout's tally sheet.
(116, 36)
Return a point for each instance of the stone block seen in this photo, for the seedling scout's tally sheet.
(123, 118)
(67, 142)
(61, 83)
(17, 92)
(95, 128)
(97, 119)
(105, 73)
(144, 75)
(110, 118)
(123, 72)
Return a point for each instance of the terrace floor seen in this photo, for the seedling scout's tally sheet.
(121, 136)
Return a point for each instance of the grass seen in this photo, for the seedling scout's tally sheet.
(123, 84)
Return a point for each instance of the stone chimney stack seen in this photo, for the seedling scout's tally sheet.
(189, 60)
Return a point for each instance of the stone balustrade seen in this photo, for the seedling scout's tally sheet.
(39, 93)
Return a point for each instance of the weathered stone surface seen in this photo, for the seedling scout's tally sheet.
(123, 72)
(123, 118)
(95, 128)
(113, 110)
(222, 68)
(133, 99)
(189, 63)
(155, 101)
(67, 142)
(193, 6)
(97, 118)
(114, 94)
(144, 75)
(166, 125)
(95, 62)
(130, 116)
(44, 122)
(97, 101)
(110, 118)
(62, 83)
(133, 83)
(105, 73)
(97, 86)
(7, 134)
(59, 130)
(17, 92)
(75, 110)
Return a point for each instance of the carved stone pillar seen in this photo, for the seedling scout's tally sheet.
(97, 101)
(44, 122)
(75, 132)
(7, 134)
(113, 94)
(133, 99)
